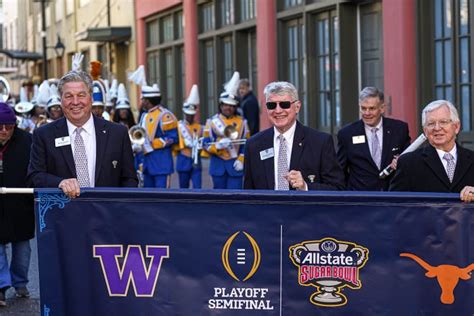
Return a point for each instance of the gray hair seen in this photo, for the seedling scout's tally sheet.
(75, 76)
(245, 82)
(371, 92)
(280, 88)
(454, 116)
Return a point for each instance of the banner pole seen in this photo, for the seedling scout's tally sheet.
(16, 190)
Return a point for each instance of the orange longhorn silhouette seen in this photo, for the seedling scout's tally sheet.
(447, 275)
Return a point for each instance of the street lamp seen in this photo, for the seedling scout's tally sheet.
(59, 48)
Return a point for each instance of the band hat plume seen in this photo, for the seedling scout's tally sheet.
(231, 88)
(43, 93)
(7, 116)
(112, 93)
(34, 99)
(24, 106)
(122, 99)
(191, 103)
(77, 61)
(54, 97)
(138, 76)
(108, 98)
(99, 90)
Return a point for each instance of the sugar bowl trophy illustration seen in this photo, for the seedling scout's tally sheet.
(329, 265)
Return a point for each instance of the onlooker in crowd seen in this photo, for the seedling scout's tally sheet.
(443, 165)
(80, 150)
(16, 212)
(122, 113)
(290, 155)
(367, 146)
(249, 105)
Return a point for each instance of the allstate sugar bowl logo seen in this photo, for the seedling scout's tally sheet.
(329, 265)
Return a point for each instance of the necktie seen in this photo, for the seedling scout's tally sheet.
(450, 166)
(376, 152)
(80, 160)
(282, 164)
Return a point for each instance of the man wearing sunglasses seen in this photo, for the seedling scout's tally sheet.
(290, 156)
(443, 166)
(367, 146)
(16, 212)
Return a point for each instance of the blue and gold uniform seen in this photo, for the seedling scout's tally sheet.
(225, 171)
(189, 134)
(161, 131)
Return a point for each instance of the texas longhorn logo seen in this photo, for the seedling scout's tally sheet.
(329, 265)
(447, 275)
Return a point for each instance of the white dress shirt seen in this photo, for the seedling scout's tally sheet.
(88, 135)
(368, 132)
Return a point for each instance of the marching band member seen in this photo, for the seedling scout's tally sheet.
(24, 109)
(189, 167)
(122, 113)
(98, 91)
(227, 154)
(54, 103)
(161, 133)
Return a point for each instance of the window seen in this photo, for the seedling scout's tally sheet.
(152, 33)
(247, 10)
(227, 12)
(179, 24)
(207, 17)
(153, 70)
(169, 87)
(69, 6)
(452, 60)
(295, 61)
(103, 57)
(210, 78)
(228, 63)
(59, 7)
(292, 3)
(168, 28)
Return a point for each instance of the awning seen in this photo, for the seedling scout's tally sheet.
(21, 54)
(105, 34)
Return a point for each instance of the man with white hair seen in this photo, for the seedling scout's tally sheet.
(443, 166)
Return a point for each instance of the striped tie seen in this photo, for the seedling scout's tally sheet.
(282, 165)
(80, 160)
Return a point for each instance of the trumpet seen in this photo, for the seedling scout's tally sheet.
(196, 147)
(137, 135)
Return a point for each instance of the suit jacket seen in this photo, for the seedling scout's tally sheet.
(312, 154)
(361, 172)
(423, 171)
(17, 219)
(251, 112)
(49, 164)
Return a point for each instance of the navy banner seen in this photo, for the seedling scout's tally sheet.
(138, 252)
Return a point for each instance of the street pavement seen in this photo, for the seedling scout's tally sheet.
(31, 306)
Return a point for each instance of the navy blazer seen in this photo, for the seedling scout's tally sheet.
(423, 171)
(361, 172)
(313, 155)
(49, 165)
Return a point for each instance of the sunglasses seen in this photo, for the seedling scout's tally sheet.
(6, 127)
(283, 104)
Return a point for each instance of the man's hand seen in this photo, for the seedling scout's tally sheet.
(223, 143)
(394, 162)
(295, 178)
(70, 187)
(467, 194)
(238, 165)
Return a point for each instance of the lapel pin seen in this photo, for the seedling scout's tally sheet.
(104, 131)
(115, 162)
(300, 144)
(311, 178)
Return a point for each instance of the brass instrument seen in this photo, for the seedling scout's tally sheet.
(137, 135)
(196, 148)
(232, 133)
(4, 89)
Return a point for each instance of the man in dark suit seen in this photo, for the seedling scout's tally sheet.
(249, 105)
(367, 146)
(443, 165)
(290, 155)
(80, 150)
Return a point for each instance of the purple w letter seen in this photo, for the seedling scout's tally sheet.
(120, 271)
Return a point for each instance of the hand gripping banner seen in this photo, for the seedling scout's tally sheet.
(152, 252)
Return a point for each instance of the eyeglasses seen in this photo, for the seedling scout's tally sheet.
(7, 127)
(442, 124)
(283, 104)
